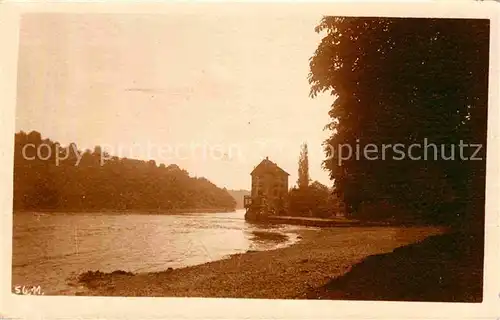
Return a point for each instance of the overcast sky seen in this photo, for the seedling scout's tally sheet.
(214, 94)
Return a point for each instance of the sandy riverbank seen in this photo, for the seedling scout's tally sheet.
(278, 274)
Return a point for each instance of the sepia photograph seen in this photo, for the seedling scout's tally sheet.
(252, 155)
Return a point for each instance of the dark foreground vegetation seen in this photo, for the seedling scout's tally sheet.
(442, 268)
(114, 184)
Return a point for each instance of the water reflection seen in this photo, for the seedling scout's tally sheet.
(50, 248)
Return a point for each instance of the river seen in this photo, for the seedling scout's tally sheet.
(51, 249)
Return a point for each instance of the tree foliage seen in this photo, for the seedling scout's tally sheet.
(303, 179)
(117, 184)
(315, 200)
(310, 199)
(403, 80)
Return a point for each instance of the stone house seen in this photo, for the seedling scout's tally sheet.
(269, 189)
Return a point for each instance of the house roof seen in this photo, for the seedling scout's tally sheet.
(267, 165)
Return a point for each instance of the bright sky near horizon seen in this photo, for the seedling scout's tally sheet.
(214, 94)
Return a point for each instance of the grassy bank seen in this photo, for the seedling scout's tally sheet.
(291, 272)
(442, 268)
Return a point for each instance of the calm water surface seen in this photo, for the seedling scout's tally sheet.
(51, 249)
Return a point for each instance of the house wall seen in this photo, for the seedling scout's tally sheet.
(272, 186)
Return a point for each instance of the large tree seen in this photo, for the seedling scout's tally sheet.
(403, 80)
(303, 179)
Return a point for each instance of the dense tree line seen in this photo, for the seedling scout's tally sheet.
(310, 199)
(42, 182)
(400, 81)
(315, 200)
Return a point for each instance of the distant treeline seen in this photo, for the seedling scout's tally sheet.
(238, 195)
(42, 182)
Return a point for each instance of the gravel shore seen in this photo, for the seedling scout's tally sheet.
(288, 273)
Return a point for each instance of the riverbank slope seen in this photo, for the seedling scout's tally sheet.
(441, 268)
(288, 273)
